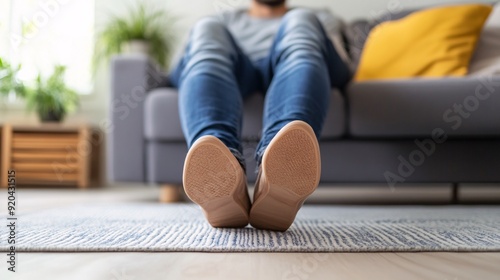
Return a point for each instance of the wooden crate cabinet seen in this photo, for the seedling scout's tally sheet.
(47, 154)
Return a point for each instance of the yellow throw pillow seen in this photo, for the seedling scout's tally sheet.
(436, 42)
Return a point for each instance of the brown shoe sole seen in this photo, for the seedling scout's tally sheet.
(214, 179)
(290, 172)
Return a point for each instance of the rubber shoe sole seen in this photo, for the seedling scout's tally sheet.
(215, 180)
(290, 172)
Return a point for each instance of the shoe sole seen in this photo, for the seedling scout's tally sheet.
(211, 178)
(291, 169)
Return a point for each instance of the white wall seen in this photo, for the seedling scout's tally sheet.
(95, 107)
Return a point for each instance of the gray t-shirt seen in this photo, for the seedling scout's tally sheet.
(256, 35)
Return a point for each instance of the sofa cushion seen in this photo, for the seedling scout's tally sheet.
(162, 123)
(464, 107)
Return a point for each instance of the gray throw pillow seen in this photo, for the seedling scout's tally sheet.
(486, 59)
(356, 33)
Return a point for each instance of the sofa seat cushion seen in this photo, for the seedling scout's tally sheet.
(464, 107)
(162, 123)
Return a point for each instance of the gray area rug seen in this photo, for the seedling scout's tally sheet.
(181, 227)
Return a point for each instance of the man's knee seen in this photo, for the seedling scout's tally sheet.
(209, 27)
(210, 34)
(300, 17)
(301, 31)
(211, 45)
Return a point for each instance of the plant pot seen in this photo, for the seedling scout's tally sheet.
(51, 116)
(136, 46)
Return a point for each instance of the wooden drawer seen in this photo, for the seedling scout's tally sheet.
(58, 157)
(19, 156)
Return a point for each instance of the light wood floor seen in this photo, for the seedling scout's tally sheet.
(138, 266)
(148, 266)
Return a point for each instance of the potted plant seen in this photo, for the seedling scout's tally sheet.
(51, 98)
(140, 31)
(9, 82)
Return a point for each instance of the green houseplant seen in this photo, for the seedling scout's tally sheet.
(9, 82)
(141, 26)
(51, 98)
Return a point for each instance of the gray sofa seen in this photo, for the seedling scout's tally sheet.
(389, 132)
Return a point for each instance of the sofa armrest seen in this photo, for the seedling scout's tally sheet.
(132, 77)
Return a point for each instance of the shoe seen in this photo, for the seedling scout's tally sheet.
(290, 172)
(214, 179)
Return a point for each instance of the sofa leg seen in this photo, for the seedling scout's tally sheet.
(170, 193)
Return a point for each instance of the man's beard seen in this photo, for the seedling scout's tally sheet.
(272, 3)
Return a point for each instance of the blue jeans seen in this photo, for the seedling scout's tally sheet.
(215, 76)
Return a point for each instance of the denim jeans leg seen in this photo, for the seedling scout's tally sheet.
(299, 73)
(213, 77)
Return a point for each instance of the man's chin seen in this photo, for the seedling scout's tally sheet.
(272, 3)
